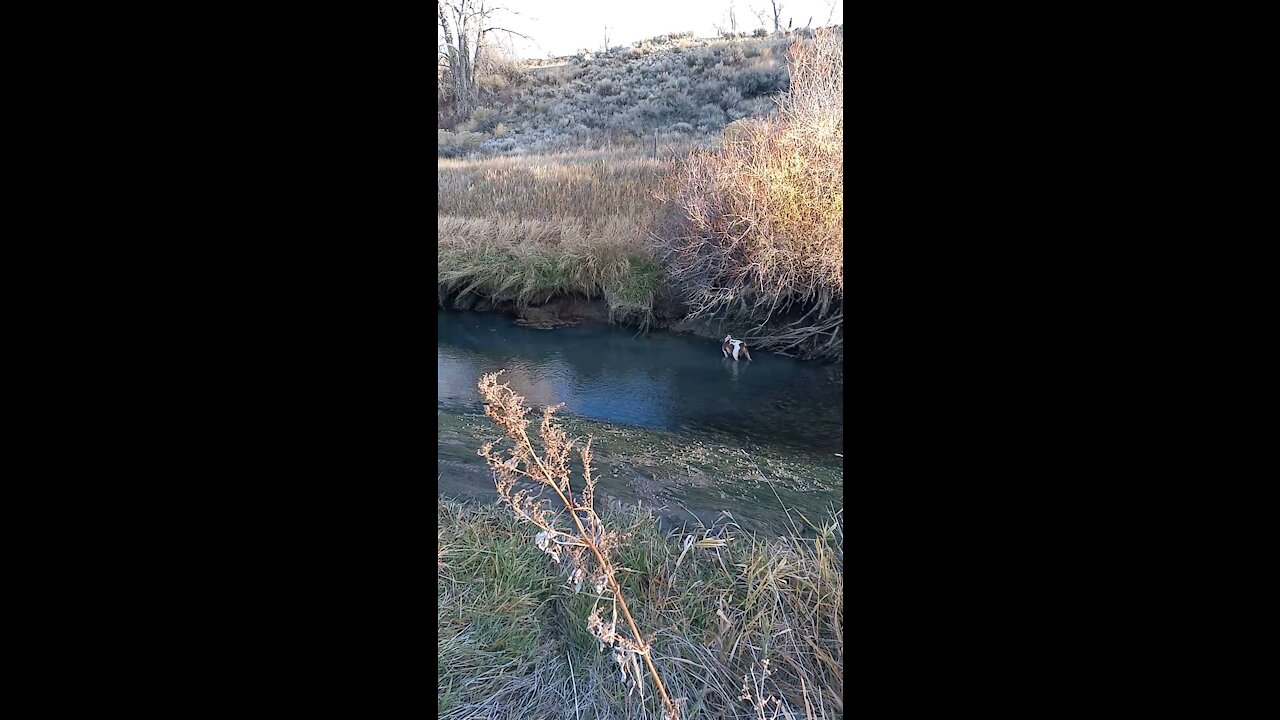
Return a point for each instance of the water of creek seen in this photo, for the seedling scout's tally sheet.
(678, 427)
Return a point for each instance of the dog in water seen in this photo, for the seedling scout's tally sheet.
(733, 347)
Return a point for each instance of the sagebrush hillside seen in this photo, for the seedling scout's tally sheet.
(677, 85)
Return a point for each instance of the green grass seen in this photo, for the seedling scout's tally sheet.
(531, 261)
(510, 631)
(490, 627)
(631, 298)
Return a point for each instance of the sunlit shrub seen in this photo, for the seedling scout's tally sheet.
(760, 219)
(450, 144)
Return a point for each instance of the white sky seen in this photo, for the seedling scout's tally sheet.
(562, 27)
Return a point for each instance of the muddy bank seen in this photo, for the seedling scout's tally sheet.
(681, 476)
(564, 311)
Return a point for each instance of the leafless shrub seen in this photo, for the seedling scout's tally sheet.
(760, 231)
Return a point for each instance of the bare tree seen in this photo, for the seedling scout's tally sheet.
(606, 39)
(774, 12)
(465, 27)
(733, 22)
(761, 15)
(831, 7)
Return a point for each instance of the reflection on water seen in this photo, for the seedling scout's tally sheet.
(661, 381)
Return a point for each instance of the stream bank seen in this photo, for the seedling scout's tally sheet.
(566, 310)
(684, 478)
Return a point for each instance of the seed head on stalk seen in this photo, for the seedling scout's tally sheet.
(584, 547)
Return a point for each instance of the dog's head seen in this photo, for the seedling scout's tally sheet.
(727, 338)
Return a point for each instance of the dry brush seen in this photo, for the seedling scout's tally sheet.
(757, 224)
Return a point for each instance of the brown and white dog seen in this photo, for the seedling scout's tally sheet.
(733, 347)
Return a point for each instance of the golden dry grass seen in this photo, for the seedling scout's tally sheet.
(584, 184)
(529, 228)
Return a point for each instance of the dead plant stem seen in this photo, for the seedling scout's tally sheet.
(609, 572)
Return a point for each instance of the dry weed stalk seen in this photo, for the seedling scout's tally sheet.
(762, 702)
(551, 470)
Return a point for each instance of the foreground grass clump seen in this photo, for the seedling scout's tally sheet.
(733, 625)
(528, 229)
(514, 640)
(758, 231)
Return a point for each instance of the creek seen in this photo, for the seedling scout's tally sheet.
(678, 428)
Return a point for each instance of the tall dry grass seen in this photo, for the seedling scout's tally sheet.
(758, 231)
(585, 184)
(527, 259)
(525, 229)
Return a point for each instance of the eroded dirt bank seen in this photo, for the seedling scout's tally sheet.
(679, 475)
(561, 311)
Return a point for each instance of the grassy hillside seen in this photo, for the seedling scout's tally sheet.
(677, 85)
